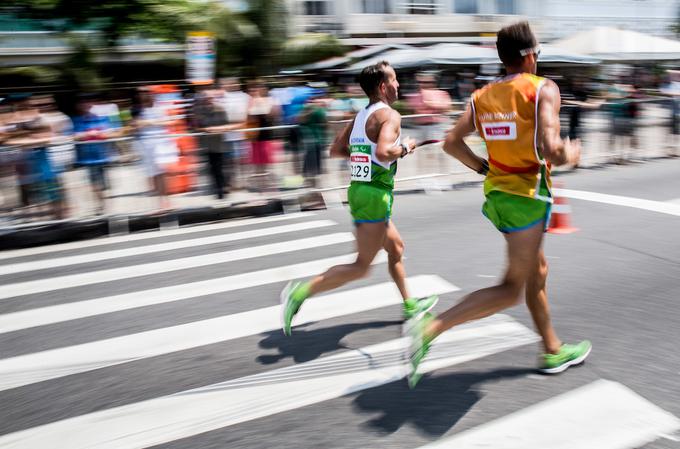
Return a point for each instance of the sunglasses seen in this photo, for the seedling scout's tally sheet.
(533, 50)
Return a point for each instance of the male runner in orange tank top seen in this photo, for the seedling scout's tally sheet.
(518, 118)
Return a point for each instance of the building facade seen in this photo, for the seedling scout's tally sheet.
(374, 21)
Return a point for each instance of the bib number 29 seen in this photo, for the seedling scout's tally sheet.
(361, 171)
(360, 163)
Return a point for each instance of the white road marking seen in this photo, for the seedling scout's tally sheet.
(674, 201)
(37, 367)
(654, 206)
(168, 246)
(602, 415)
(81, 309)
(151, 235)
(191, 412)
(133, 271)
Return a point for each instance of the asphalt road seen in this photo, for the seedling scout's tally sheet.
(100, 350)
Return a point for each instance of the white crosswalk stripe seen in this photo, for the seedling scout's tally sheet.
(170, 246)
(36, 367)
(133, 271)
(10, 322)
(603, 414)
(214, 406)
(607, 414)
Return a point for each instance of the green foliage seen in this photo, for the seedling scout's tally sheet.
(249, 42)
(309, 48)
(79, 72)
(29, 75)
(260, 54)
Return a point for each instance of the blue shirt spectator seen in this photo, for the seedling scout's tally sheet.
(95, 128)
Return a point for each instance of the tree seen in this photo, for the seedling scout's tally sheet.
(312, 47)
(252, 42)
(261, 53)
(164, 19)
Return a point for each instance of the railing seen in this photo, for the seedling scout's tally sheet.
(429, 167)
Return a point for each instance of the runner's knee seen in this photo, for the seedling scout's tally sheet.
(362, 268)
(513, 291)
(395, 251)
(542, 273)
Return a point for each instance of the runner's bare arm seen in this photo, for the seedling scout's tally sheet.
(553, 147)
(456, 146)
(387, 151)
(340, 146)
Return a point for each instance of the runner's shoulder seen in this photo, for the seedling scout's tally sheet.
(387, 115)
(384, 116)
(550, 89)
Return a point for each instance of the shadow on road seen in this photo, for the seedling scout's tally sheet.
(304, 346)
(433, 407)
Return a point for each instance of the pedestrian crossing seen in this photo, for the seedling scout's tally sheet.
(245, 309)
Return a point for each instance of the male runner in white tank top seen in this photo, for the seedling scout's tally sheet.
(372, 142)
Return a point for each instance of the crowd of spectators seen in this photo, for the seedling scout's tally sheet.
(231, 134)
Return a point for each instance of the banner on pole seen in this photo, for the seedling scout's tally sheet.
(200, 57)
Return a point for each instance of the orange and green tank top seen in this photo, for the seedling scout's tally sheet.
(505, 114)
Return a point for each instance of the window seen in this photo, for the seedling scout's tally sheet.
(505, 6)
(375, 6)
(315, 8)
(421, 7)
(465, 6)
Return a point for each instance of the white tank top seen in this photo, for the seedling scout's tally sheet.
(359, 137)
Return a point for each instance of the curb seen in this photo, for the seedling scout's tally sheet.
(52, 232)
(46, 233)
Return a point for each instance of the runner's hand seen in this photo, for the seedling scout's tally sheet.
(410, 144)
(572, 149)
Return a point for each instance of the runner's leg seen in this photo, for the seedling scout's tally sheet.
(394, 246)
(523, 249)
(369, 238)
(537, 301)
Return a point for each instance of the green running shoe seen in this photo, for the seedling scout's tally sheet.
(419, 345)
(417, 306)
(569, 355)
(292, 297)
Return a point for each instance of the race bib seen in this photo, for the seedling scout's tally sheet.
(360, 162)
(499, 130)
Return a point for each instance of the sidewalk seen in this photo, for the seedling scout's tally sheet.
(130, 208)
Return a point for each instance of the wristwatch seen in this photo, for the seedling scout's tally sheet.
(404, 150)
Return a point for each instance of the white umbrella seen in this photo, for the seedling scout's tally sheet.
(612, 44)
(439, 54)
(462, 54)
(348, 58)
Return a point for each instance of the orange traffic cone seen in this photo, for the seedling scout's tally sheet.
(560, 217)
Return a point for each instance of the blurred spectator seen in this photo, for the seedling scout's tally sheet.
(211, 118)
(235, 102)
(672, 89)
(357, 99)
(61, 150)
(263, 111)
(313, 126)
(465, 86)
(624, 108)
(157, 152)
(126, 148)
(291, 100)
(578, 100)
(94, 154)
(24, 128)
(429, 99)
